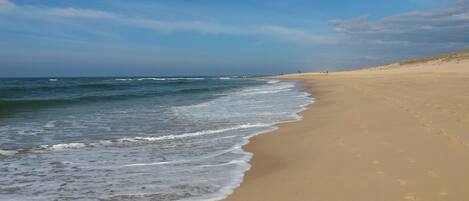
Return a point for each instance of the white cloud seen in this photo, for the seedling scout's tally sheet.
(275, 32)
(446, 25)
(182, 26)
(80, 13)
(6, 6)
(295, 35)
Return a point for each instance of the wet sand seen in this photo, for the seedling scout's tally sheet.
(390, 133)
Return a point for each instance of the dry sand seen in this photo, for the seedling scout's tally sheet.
(382, 134)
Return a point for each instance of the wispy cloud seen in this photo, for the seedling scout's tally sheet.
(5, 6)
(296, 35)
(275, 32)
(403, 36)
(448, 25)
(80, 13)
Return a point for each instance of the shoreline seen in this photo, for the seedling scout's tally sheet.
(249, 147)
(274, 127)
(371, 134)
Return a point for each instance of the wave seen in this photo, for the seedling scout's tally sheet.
(124, 79)
(273, 81)
(38, 103)
(237, 147)
(71, 87)
(185, 161)
(61, 147)
(58, 88)
(15, 104)
(186, 78)
(159, 78)
(263, 92)
(199, 133)
(21, 88)
(24, 104)
(267, 90)
(8, 152)
(126, 141)
(141, 79)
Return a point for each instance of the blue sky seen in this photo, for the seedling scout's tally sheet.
(210, 37)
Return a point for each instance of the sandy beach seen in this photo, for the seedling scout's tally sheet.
(388, 133)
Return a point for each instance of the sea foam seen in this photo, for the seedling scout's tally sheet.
(171, 147)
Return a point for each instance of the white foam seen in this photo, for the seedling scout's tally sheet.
(271, 87)
(273, 81)
(151, 78)
(236, 180)
(141, 79)
(52, 80)
(8, 152)
(186, 78)
(235, 148)
(262, 92)
(136, 140)
(244, 164)
(61, 147)
(267, 89)
(50, 124)
(194, 134)
(151, 164)
(160, 79)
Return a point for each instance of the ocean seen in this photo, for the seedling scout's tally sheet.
(135, 138)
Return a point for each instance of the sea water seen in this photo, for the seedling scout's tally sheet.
(134, 138)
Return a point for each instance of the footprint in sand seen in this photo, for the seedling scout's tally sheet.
(454, 139)
(443, 193)
(432, 173)
(376, 162)
(411, 197)
(443, 133)
(411, 160)
(401, 150)
(341, 141)
(430, 130)
(379, 172)
(401, 182)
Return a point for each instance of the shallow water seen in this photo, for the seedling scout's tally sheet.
(134, 138)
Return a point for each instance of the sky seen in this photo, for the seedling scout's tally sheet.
(221, 37)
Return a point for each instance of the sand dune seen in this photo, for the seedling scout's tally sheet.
(389, 133)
